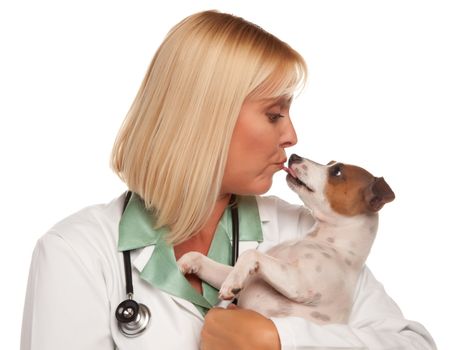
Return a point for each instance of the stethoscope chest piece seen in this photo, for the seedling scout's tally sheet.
(133, 318)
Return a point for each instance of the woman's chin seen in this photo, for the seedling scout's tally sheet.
(257, 186)
(261, 186)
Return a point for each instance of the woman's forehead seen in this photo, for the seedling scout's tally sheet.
(284, 100)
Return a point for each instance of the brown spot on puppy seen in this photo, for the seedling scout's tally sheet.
(319, 316)
(312, 245)
(313, 234)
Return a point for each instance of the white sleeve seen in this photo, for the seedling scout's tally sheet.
(66, 305)
(376, 323)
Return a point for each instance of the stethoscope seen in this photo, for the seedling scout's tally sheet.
(132, 317)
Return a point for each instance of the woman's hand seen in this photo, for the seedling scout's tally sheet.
(238, 329)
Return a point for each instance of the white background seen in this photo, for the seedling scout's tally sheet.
(391, 88)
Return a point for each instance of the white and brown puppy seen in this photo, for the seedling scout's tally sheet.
(313, 277)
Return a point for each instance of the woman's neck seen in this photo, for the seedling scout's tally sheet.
(201, 241)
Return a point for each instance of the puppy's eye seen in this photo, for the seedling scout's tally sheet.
(336, 170)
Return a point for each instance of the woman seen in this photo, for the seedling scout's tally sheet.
(210, 120)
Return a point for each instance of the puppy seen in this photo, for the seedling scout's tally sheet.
(313, 277)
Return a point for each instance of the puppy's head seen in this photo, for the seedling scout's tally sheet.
(337, 188)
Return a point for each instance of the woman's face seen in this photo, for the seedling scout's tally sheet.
(263, 130)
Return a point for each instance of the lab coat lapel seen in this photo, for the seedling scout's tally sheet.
(269, 219)
(139, 263)
(162, 272)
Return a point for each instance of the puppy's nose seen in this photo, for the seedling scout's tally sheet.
(295, 159)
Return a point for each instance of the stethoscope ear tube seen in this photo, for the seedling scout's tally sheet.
(235, 221)
(235, 244)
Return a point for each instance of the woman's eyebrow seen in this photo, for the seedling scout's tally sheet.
(284, 101)
(288, 100)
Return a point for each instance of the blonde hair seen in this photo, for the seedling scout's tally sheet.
(172, 146)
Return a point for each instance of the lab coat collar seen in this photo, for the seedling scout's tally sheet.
(156, 262)
(136, 226)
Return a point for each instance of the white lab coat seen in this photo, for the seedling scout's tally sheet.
(77, 280)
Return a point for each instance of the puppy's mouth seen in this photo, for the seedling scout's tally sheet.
(293, 178)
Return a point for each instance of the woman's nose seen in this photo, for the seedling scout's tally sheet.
(289, 136)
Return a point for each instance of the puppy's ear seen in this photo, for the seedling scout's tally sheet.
(377, 194)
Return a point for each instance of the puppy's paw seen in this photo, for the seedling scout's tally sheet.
(229, 290)
(247, 265)
(190, 263)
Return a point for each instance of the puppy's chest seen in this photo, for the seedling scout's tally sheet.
(327, 278)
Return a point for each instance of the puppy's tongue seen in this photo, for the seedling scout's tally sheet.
(290, 171)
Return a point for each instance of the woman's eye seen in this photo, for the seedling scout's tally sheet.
(273, 117)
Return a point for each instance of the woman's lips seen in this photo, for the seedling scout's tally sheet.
(281, 164)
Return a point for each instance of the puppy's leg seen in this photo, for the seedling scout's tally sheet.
(206, 269)
(287, 278)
